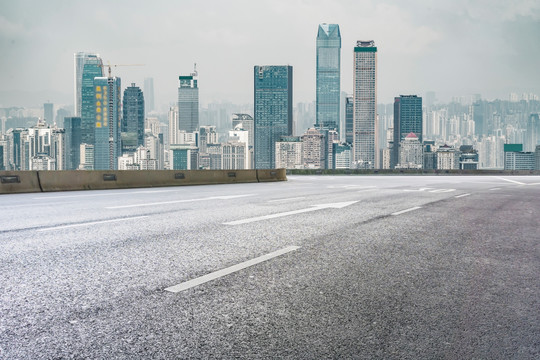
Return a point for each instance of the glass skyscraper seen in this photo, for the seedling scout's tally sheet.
(87, 67)
(72, 126)
(188, 103)
(273, 111)
(107, 123)
(365, 137)
(133, 113)
(407, 119)
(328, 76)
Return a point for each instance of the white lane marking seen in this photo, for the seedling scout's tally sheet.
(288, 213)
(227, 197)
(462, 195)
(223, 272)
(77, 196)
(421, 189)
(406, 210)
(509, 180)
(442, 190)
(533, 184)
(287, 199)
(91, 223)
(495, 189)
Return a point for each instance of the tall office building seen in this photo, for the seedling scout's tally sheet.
(349, 119)
(328, 76)
(407, 119)
(48, 112)
(273, 111)
(87, 67)
(72, 126)
(149, 94)
(107, 123)
(133, 114)
(188, 103)
(533, 132)
(365, 127)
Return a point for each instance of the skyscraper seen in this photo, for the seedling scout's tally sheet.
(328, 76)
(48, 112)
(365, 137)
(87, 67)
(273, 111)
(349, 119)
(133, 114)
(188, 103)
(149, 94)
(72, 126)
(407, 119)
(106, 123)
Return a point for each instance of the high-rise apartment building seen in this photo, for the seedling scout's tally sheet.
(188, 103)
(133, 113)
(328, 76)
(273, 111)
(48, 112)
(349, 119)
(149, 104)
(87, 67)
(407, 119)
(365, 126)
(106, 123)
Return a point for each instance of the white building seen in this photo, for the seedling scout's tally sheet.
(411, 153)
(289, 153)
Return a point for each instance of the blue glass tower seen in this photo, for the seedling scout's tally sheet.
(107, 123)
(273, 111)
(133, 113)
(72, 126)
(328, 76)
(92, 67)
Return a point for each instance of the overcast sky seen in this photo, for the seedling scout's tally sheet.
(455, 48)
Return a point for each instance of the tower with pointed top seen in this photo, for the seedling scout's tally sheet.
(328, 76)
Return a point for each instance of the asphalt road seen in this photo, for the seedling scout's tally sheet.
(368, 267)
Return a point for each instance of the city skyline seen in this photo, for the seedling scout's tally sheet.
(437, 44)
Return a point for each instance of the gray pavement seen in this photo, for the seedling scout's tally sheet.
(400, 267)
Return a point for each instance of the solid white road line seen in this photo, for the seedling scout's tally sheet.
(232, 269)
(227, 197)
(287, 199)
(442, 190)
(495, 189)
(406, 210)
(294, 212)
(509, 180)
(91, 223)
(462, 195)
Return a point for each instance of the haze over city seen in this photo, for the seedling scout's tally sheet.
(454, 48)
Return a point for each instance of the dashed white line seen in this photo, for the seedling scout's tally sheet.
(90, 223)
(406, 210)
(287, 199)
(223, 272)
(462, 195)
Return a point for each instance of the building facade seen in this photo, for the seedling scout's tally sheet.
(365, 123)
(133, 113)
(188, 103)
(87, 67)
(407, 120)
(107, 142)
(273, 111)
(328, 76)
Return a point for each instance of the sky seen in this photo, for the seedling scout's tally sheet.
(454, 48)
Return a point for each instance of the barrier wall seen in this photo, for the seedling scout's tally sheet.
(35, 181)
(12, 182)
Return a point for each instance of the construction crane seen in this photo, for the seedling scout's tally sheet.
(116, 65)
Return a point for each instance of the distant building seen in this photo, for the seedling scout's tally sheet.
(188, 103)
(314, 147)
(447, 158)
(349, 119)
(273, 111)
(149, 104)
(533, 132)
(133, 114)
(430, 155)
(365, 138)
(289, 153)
(411, 155)
(86, 161)
(48, 112)
(245, 122)
(235, 155)
(468, 158)
(342, 156)
(73, 140)
(107, 120)
(87, 67)
(517, 159)
(407, 120)
(328, 76)
(184, 157)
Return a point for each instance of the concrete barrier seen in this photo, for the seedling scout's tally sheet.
(12, 182)
(267, 175)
